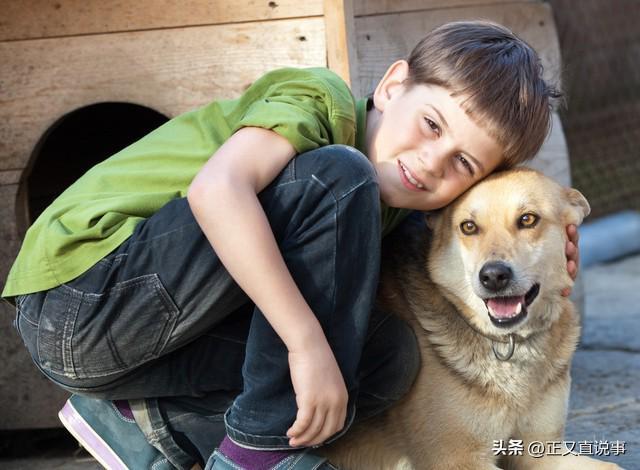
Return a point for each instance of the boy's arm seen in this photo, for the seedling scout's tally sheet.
(223, 198)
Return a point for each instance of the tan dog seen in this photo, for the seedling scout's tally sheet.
(496, 335)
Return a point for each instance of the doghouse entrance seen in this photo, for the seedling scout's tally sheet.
(77, 142)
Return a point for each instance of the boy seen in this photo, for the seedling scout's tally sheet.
(133, 294)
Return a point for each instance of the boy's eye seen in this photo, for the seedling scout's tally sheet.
(432, 125)
(466, 164)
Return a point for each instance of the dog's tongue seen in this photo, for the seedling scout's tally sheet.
(505, 307)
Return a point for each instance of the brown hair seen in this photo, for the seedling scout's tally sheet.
(499, 74)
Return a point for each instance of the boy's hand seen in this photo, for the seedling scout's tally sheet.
(321, 395)
(573, 255)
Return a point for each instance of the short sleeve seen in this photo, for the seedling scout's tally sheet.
(309, 107)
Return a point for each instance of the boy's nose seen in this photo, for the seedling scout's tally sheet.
(433, 164)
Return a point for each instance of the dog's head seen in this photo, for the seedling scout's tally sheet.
(498, 251)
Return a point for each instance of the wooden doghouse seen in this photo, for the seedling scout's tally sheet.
(77, 75)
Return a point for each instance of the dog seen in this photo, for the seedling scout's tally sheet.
(482, 291)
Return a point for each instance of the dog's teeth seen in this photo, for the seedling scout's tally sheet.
(519, 308)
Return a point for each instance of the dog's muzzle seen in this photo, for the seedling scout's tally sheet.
(508, 311)
(504, 311)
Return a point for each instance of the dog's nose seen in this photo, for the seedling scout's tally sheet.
(495, 275)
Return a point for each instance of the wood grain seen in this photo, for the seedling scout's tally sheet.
(54, 18)
(382, 39)
(341, 46)
(374, 7)
(171, 71)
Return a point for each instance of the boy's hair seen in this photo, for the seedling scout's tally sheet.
(500, 75)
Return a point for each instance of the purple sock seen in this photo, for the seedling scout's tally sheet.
(250, 459)
(124, 408)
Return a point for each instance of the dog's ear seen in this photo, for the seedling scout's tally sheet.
(578, 206)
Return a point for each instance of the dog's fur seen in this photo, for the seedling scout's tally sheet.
(464, 398)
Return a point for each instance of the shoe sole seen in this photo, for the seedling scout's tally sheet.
(89, 439)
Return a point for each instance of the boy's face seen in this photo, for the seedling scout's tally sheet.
(424, 147)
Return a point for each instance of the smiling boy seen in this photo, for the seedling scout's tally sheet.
(425, 147)
(130, 287)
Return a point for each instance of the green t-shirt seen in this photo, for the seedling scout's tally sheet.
(309, 107)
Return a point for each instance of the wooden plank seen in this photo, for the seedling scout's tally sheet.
(171, 71)
(340, 34)
(382, 39)
(376, 7)
(45, 18)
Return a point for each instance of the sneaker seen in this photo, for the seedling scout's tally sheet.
(114, 439)
(296, 461)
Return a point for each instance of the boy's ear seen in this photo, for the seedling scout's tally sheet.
(578, 206)
(391, 83)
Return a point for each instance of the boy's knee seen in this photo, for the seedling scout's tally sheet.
(347, 158)
(340, 167)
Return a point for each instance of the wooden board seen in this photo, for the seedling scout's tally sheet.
(341, 47)
(382, 39)
(171, 71)
(375, 7)
(22, 19)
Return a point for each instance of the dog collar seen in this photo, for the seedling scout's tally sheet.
(510, 340)
(504, 357)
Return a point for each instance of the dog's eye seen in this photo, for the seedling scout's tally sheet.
(468, 227)
(528, 221)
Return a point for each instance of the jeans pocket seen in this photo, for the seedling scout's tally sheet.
(86, 335)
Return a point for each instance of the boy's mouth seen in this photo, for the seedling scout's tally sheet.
(408, 179)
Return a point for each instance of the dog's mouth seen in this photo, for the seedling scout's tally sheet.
(508, 311)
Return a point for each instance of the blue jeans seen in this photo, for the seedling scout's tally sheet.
(160, 322)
